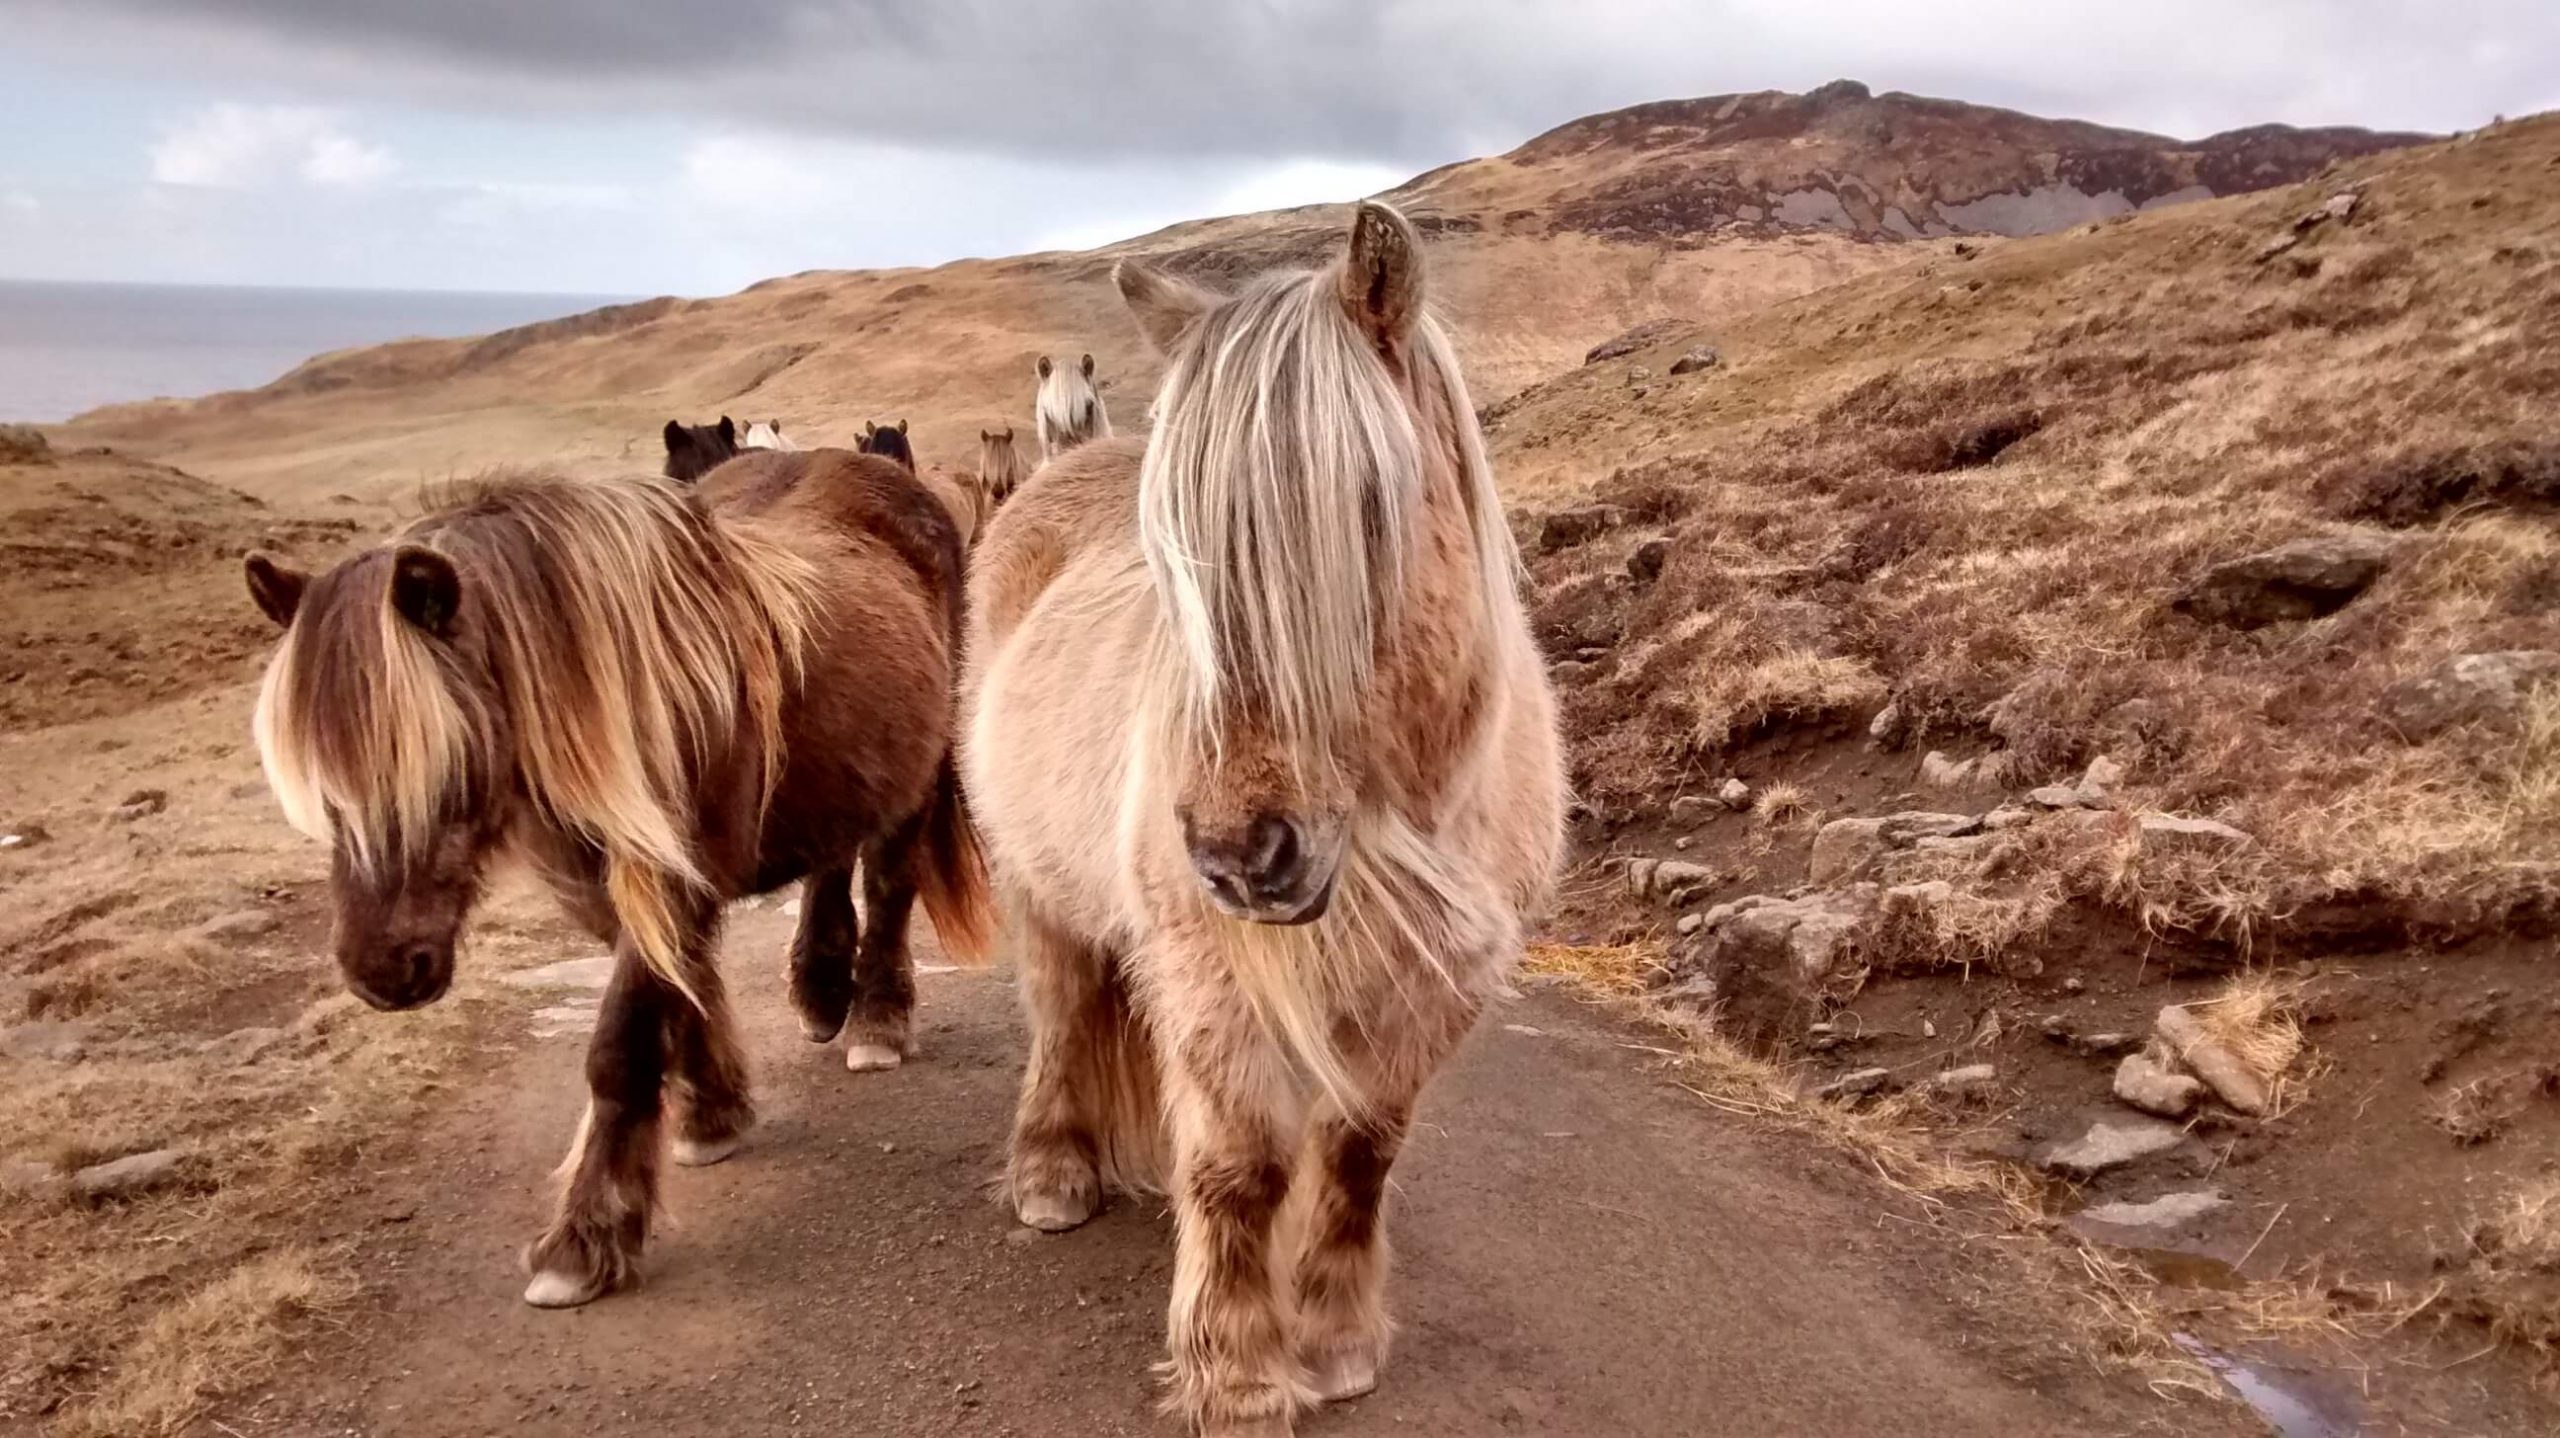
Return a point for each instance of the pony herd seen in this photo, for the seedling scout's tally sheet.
(1234, 734)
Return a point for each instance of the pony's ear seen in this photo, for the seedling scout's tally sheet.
(728, 430)
(276, 587)
(426, 590)
(1163, 305)
(1043, 367)
(1088, 366)
(1381, 281)
(869, 429)
(678, 439)
(902, 424)
(1008, 434)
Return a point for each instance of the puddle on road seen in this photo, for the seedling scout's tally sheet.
(2296, 1404)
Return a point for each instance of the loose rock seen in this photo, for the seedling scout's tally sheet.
(1734, 794)
(1765, 962)
(2172, 829)
(22, 836)
(1703, 357)
(2057, 796)
(2099, 780)
(1843, 847)
(1643, 336)
(2155, 1090)
(45, 1041)
(2111, 1143)
(2467, 689)
(2306, 579)
(1939, 771)
(1640, 877)
(141, 804)
(1856, 1084)
(2221, 1069)
(1690, 923)
(1961, 1082)
(1645, 562)
(1690, 810)
(2168, 1211)
(125, 1177)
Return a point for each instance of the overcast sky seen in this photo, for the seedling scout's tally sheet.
(694, 146)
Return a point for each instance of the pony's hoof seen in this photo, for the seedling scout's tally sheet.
(1054, 1212)
(562, 1290)
(864, 1058)
(819, 1031)
(1343, 1375)
(704, 1152)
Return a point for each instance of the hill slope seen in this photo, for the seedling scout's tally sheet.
(1537, 254)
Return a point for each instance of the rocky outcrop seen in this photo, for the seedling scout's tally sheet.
(2306, 579)
(2467, 689)
(1763, 964)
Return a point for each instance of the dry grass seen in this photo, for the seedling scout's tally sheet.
(219, 1339)
(1981, 501)
(1613, 971)
(2257, 1018)
(1781, 804)
(2511, 1280)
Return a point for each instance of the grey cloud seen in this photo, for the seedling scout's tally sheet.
(1415, 81)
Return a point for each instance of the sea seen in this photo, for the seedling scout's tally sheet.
(66, 348)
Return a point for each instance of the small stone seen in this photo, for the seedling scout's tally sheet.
(141, 804)
(1640, 877)
(1645, 561)
(1703, 357)
(2277, 245)
(2057, 796)
(1940, 772)
(2107, 1045)
(1690, 810)
(45, 1041)
(2111, 1143)
(1690, 923)
(1855, 1084)
(246, 924)
(2101, 778)
(1637, 374)
(2155, 1090)
(2007, 817)
(1682, 843)
(2170, 828)
(1958, 1082)
(125, 1177)
(2073, 985)
(1734, 794)
(2229, 1078)
(1886, 727)
(2169, 1210)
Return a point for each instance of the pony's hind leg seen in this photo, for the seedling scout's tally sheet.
(610, 1188)
(880, 1030)
(707, 1074)
(1083, 1046)
(822, 954)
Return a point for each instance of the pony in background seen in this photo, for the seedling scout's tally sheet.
(888, 442)
(1067, 410)
(657, 698)
(694, 450)
(766, 434)
(1266, 766)
(1001, 469)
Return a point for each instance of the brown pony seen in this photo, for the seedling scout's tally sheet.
(1266, 766)
(694, 450)
(660, 699)
(1001, 470)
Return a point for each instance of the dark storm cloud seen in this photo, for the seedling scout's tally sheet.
(1410, 80)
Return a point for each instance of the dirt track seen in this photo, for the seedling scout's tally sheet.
(1582, 1249)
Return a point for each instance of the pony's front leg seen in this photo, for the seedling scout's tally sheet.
(1234, 1371)
(1342, 1271)
(610, 1179)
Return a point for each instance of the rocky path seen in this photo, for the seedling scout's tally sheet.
(1583, 1249)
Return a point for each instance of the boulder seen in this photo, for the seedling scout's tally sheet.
(2223, 1072)
(2306, 579)
(1764, 962)
(2111, 1143)
(1645, 561)
(1843, 847)
(135, 1173)
(1568, 527)
(1940, 772)
(2148, 1086)
(1643, 336)
(2467, 689)
(1703, 357)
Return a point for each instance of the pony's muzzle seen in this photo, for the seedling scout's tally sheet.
(1267, 874)
(409, 977)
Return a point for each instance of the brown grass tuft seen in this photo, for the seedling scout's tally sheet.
(219, 1339)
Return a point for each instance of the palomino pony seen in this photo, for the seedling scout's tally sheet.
(1000, 467)
(660, 699)
(766, 434)
(694, 450)
(1067, 410)
(1266, 766)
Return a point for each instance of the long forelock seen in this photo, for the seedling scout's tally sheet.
(1069, 408)
(1275, 503)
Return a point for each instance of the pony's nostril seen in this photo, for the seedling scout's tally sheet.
(417, 969)
(1273, 867)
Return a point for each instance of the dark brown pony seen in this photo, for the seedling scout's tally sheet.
(662, 699)
(694, 450)
(889, 442)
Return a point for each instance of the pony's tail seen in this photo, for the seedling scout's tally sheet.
(951, 878)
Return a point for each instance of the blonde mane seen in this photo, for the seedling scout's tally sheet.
(1277, 503)
(628, 636)
(1001, 468)
(1068, 411)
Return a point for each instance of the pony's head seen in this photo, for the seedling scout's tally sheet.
(536, 651)
(1301, 423)
(764, 434)
(382, 732)
(694, 450)
(1068, 406)
(888, 442)
(1000, 466)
